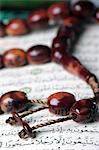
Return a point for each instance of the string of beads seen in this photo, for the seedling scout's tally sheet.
(60, 103)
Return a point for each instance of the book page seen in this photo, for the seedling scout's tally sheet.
(39, 81)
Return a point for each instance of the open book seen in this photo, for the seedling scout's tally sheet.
(39, 81)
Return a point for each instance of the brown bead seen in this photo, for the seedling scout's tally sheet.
(16, 27)
(2, 29)
(37, 19)
(57, 56)
(60, 103)
(83, 8)
(67, 36)
(84, 110)
(60, 45)
(67, 32)
(14, 58)
(58, 11)
(73, 65)
(1, 61)
(13, 101)
(38, 54)
(72, 22)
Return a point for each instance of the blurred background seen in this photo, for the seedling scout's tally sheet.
(25, 4)
(21, 8)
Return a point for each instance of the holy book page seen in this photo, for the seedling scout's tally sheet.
(39, 81)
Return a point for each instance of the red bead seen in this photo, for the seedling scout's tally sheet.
(84, 110)
(73, 65)
(14, 58)
(60, 103)
(38, 54)
(1, 61)
(2, 29)
(67, 32)
(57, 56)
(13, 101)
(58, 11)
(59, 46)
(72, 22)
(17, 27)
(38, 19)
(83, 8)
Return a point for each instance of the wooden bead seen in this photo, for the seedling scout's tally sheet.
(38, 54)
(84, 110)
(14, 58)
(58, 50)
(57, 56)
(37, 19)
(72, 22)
(58, 11)
(73, 65)
(2, 29)
(13, 101)
(67, 32)
(60, 45)
(16, 27)
(83, 8)
(60, 103)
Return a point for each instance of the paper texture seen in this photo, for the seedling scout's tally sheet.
(39, 81)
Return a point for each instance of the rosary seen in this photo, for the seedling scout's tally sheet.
(61, 103)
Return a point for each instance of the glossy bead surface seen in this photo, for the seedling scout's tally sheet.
(37, 19)
(38, 54)
(2, 29)
(72, 22)
(83, 8)
(67, 32)
(58, 11)
(57, 55)
(1, 61)
(59, 46)
(60, 43)
(84, 110)
(14, 58)
(97, 15)
(13, 101)
(73, 65)
(60, 103)
(16, 27)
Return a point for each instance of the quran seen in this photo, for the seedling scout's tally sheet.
(39, 81)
